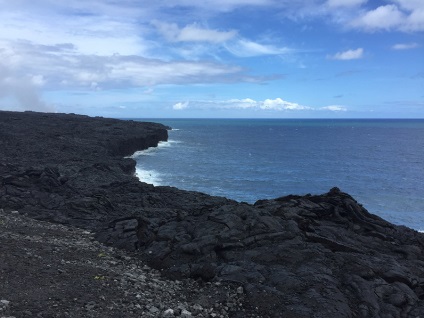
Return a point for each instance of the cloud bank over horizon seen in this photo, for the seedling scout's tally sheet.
(60, 56)
(275, 105)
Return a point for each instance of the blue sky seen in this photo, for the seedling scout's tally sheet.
(220, 58)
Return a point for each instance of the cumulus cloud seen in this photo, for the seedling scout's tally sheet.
(192, 33)
(364, 15)
(384, 17)
(279, 104)
(335, 108)
(348, 55)
(402, 15)
(405, 46)
(180, 106)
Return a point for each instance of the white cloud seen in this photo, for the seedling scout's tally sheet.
(384, 17)
(348, 55)
(95, 34)
(25, 68)
(404, 15)
(415, 21)
(241, 103)
(405, 46)
(55, 65)
(276, 104)
(356, 13)
(180, 106)
(279, 104)
(139, 71)
(335, 108)
(100, 45)
(394, 15)
(246, 48)
(92, 45)
(192, 33)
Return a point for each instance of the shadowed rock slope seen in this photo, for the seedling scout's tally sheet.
(295, 256)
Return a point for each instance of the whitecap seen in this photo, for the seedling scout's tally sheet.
(167, 144)
(148, 176)
(151, 151)
(147, 152)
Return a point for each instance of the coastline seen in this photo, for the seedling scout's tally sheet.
(375, 161)
(297, 256)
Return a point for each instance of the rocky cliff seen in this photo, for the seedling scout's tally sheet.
(294, 256)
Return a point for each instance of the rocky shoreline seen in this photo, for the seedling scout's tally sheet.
(294, 256)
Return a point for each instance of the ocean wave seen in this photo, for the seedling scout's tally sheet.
(148, 176)
(169, 143)
(151, 151)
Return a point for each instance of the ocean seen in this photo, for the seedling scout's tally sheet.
(379, 162)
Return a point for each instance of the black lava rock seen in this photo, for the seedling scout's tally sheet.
(295, 256)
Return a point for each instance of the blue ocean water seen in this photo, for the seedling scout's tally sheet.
(379, 162)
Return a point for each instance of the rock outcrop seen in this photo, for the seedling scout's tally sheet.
(294, 256)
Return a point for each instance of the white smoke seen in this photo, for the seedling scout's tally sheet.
(21, 92)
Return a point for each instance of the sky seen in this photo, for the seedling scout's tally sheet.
(214, 58)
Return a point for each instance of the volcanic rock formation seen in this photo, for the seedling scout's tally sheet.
(295, 256)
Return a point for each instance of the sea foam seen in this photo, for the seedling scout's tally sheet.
(150, 176)
(151, 151)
